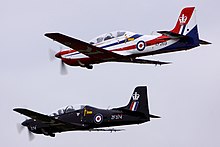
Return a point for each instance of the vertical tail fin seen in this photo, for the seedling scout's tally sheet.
(139, 101)
(186, 25)
(186, 21)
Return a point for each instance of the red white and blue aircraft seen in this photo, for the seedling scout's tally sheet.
(125, 46)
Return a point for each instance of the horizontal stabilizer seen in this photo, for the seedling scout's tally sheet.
(204, 42)
(154, 116)
(172, 35)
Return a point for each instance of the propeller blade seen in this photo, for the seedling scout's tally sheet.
(63, 69)
(20, 128)
(30, 135)
(52, 54)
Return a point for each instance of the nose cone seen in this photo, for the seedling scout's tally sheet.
(58, 55)
(25, 123)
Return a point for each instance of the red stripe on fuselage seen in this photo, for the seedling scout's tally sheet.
(157, 40)
(67, 52)
(160, 39)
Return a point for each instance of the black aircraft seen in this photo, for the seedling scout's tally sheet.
(90, 118)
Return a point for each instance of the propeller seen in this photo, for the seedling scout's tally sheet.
(30, 135)
(20, 128)
(52, 55)
(63, 69)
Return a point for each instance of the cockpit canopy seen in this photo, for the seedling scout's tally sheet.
(67, 110)
(108, 36)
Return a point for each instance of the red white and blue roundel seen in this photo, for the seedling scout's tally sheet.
(98, 118)
(141, 45)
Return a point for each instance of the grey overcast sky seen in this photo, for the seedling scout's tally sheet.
(185, 94)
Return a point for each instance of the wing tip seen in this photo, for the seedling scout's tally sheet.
(19, 110)
(49, 34)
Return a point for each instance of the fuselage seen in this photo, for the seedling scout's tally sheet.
(89, 117)
(128, 44)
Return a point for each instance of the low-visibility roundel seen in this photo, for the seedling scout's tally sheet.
(98, 118)
(140, 45)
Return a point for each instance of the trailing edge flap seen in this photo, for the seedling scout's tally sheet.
(52, 121)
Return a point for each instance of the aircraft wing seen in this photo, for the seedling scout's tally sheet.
(84, 48)
(52, 121)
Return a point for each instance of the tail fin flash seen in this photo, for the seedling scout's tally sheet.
(139, 101)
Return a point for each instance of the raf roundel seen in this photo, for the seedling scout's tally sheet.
(98, 118)
(140, 45)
